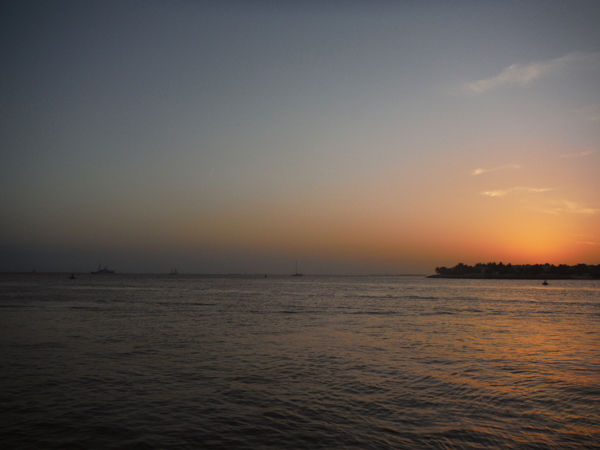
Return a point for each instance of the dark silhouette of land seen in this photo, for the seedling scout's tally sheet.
(523, 272)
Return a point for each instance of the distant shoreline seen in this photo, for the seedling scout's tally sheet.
(511, 277)
(500, 271)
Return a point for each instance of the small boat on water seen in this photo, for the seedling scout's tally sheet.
(545, 283)
(72, 277)
(102, 271)
(174, 271)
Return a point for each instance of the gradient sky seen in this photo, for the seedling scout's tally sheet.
(355, 137)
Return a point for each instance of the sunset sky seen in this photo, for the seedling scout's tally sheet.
(355, 137)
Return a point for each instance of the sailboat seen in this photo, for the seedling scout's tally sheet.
(174, 271)
(297, 274)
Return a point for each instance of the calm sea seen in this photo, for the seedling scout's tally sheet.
(139, 361)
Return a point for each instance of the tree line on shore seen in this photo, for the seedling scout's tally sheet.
(500, 270)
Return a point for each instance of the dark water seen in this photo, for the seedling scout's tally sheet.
(251, 363)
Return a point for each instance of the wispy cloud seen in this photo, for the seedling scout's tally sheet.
(545, 206)
(503, 192)
(566, 207)
(575, 208)
(479, 171)
(578, 155)
(523, 74)
(497, 193)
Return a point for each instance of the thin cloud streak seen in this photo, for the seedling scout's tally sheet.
(503, 192)
(568, 208)
(551, 206)
(479, 171)
(578, 155)
(575, 208)
(523, 74)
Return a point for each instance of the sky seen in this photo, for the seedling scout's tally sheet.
(355, 137)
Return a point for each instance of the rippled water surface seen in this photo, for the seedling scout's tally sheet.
(137, 361)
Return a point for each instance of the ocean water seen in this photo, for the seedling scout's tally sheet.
(139, 361)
